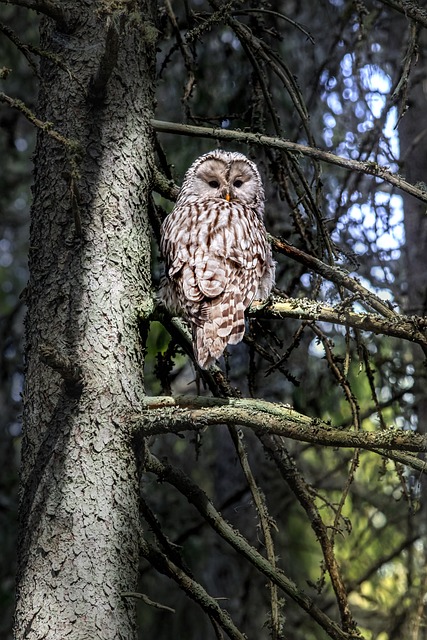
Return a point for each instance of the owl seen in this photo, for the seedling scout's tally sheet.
(217, 255)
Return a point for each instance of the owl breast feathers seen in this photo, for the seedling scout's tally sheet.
(218, 258)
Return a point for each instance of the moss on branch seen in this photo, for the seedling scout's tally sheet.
(166, 414)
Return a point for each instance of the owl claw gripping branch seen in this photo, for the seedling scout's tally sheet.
(218, 258)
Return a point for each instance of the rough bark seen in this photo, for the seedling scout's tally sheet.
(413, 138)
(413, 151)
(89, 277)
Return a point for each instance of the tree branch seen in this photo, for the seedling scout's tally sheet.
(47, 7)
(181, 413)
(147, 600)
(287, 467)
(192, 588)
(370, 168)
(47, 127)
(398, 326)
(200, 500)
(410, 9)
(338, 275)
(266, 522)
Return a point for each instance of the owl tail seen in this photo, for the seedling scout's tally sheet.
(222, 323)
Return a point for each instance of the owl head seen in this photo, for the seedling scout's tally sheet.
(226, 175)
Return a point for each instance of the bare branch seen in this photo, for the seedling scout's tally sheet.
(192, 588)
(200, 500)
(410, 9)
(370, 168)
(47, 7)
(276, 14)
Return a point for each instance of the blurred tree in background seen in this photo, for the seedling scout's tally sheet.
(332, 524)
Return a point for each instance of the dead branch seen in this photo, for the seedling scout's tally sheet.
(200, 500)
(370, 168)
(47, 7)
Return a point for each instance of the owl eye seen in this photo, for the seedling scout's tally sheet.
(214, 184)
(237, 184)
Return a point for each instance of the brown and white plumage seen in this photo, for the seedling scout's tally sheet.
(218, 259)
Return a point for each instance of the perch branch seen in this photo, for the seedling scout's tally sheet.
(398, 326)
(334, 274)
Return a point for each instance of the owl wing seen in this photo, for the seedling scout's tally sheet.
(227, 272)
(216, 254)
(227, 246)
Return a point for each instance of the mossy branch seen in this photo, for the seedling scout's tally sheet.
(335, 274)
(47, 127)
(399, 326)
(166, 414)
(73, 148)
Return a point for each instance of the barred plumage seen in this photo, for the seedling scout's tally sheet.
(218, 259)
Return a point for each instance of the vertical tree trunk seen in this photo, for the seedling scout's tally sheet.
(89, 277)
(413, 140)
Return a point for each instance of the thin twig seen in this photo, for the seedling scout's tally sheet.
(147, 600)
(281, 16)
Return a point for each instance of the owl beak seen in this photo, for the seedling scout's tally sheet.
(227, 197)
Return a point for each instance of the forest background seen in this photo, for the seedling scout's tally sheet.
(238, 514)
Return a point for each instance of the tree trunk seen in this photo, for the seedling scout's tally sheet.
(413, 141)
(89, 278)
